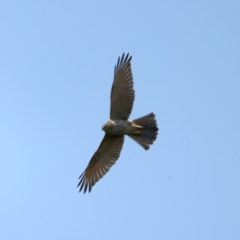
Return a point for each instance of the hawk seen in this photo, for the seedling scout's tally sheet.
(143, 130)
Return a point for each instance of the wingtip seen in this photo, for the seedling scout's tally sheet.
(122, 60)
(128, 57)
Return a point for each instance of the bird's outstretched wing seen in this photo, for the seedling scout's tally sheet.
(122, 94)
(107, 154)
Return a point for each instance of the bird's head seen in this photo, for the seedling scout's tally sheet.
(106, 126)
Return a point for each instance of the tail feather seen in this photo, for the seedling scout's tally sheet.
(149, 132)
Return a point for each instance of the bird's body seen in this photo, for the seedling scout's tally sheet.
(121, 127)
(143, 130)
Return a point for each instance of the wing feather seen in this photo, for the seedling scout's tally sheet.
(122, 93)
(103, 159)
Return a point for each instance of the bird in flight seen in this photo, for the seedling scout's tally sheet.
(143, 130)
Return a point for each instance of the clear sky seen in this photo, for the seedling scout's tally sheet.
(56, 71)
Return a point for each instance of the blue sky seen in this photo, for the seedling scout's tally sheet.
(57, 61)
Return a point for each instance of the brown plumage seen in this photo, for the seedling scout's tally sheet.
(143, 130)
(122, 93)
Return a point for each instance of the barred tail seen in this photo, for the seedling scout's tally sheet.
(149, 131)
